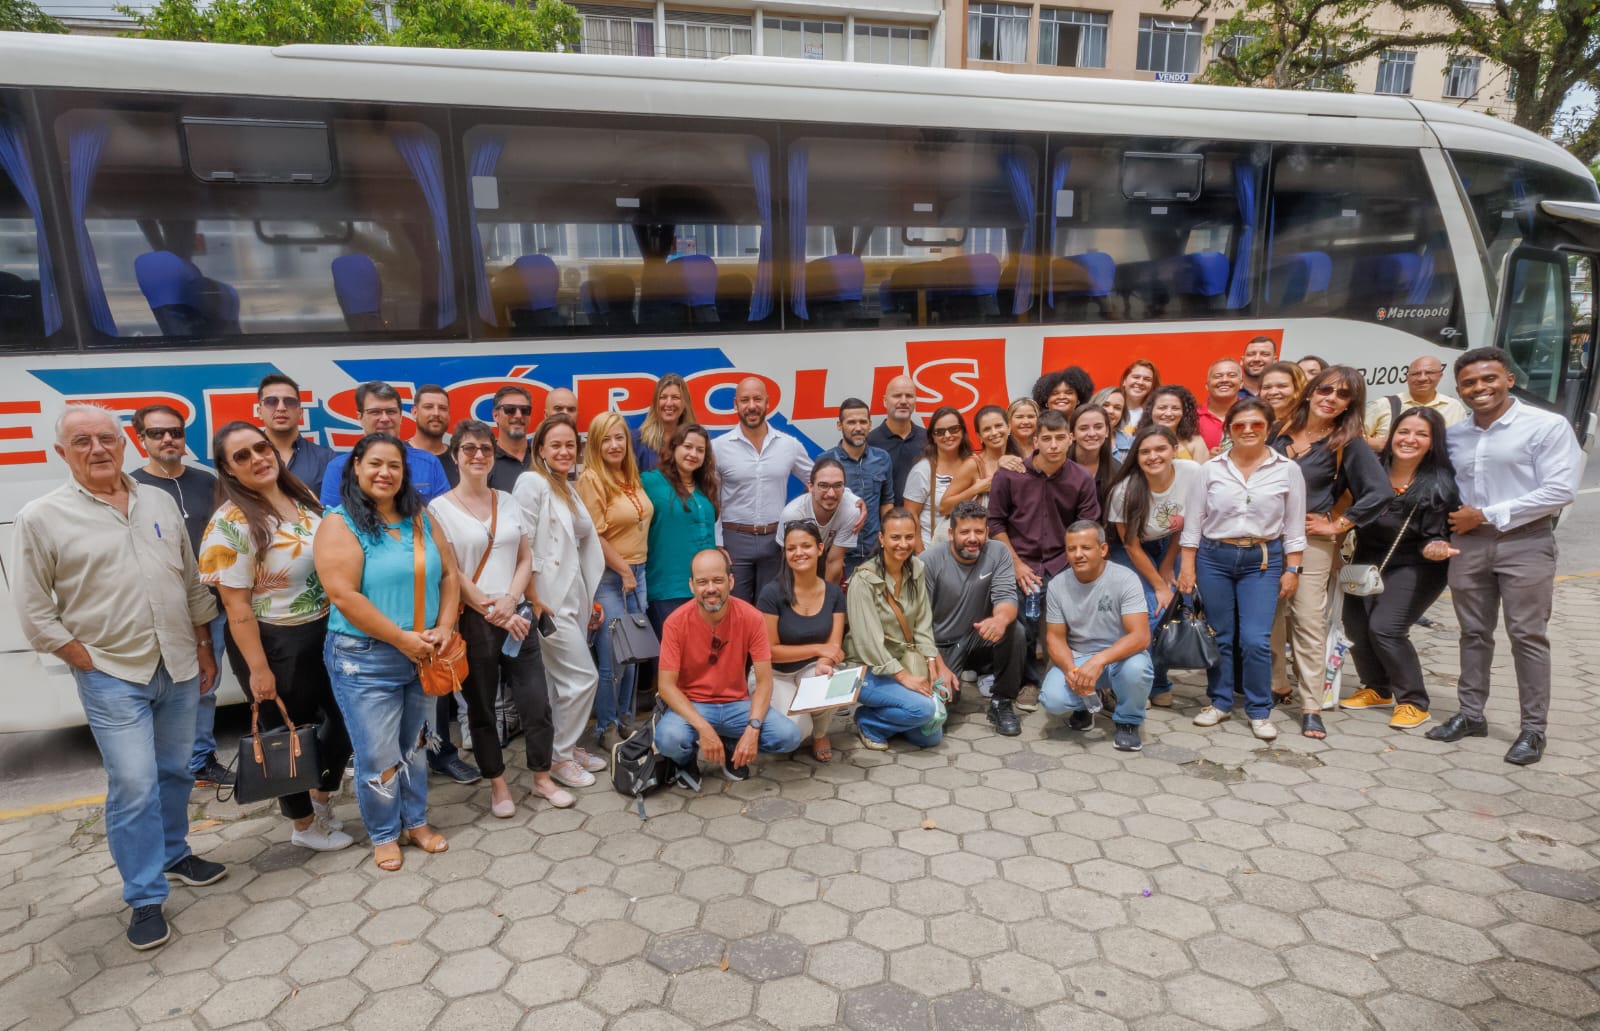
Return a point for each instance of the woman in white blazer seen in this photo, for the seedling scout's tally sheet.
(567, 566)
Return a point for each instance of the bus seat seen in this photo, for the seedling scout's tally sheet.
(663, 296)
(734, 292)
(611, 301)
(968, 287)
(699, 272)
(834, 287)
(1202, 281)
(1385, 276)
(1299, 278)
(184, 302)
(21, 310)
(531, 299)
(1082, 285)
(1144, 288)
(359, 289)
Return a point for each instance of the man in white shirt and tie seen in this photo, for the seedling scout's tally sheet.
(1517, 467)
(755, 462)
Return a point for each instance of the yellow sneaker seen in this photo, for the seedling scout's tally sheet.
(1408, 716)
(1366, 698)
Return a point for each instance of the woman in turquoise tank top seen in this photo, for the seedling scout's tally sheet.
(365, 556)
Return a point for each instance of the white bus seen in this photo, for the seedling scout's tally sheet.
(177, 220)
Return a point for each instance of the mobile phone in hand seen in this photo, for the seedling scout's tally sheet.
(547, 625)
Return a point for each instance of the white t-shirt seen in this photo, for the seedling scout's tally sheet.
(841, 529)
(469, 535)
(925, 488)
(1163, 504)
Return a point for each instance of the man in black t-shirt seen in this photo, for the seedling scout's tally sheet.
(898, 434)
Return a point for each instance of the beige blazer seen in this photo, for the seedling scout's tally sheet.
(561, 554)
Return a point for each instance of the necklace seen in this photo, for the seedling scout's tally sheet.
(632, 494)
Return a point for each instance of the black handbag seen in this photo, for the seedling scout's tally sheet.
(277, 762)
(633, 640)
(1183, 638)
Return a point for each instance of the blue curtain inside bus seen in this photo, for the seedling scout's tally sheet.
(1422, 286)
(1245, 176)
(797, 229)
(420, 151)
(485, 156)
(761, 179)
(1058, 182)
(83, 160)
(1018, 168)
(16, 165)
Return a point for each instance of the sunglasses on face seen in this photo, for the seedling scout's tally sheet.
(280, 402)
(260, 448)
(477, 449)
(1249, 427)
(946, 431)
(157, 432)
(517, 409)
(1329, 390)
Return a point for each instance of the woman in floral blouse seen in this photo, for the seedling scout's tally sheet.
(257, 554)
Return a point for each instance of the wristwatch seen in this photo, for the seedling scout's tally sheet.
(755, 724)
(1296, 570)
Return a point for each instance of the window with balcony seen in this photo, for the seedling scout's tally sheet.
(1072, 39)
(1168, 46)
(997, 32)
(1395, 68)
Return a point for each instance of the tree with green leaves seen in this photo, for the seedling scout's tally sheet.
(26, 16)
(487, 25)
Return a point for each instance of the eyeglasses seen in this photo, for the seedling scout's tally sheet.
(517, 409)
(1249, 427)
(1328, 390)
(476, 449)
(947, 431)
(717, 644)
(157, 432)
(829, 488)
(261, 447)
(105, 440)
(274, 401)
(390, 412)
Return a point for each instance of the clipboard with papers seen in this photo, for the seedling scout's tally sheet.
(814, 694)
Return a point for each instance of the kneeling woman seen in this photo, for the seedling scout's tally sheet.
(891, 633)
(805, 626)
(257, 554)
(368, 552)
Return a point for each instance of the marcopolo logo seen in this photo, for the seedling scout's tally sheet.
(1391, 314)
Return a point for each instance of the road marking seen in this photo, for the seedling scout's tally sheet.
(50, 807)
(1578, 576)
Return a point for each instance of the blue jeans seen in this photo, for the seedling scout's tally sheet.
(887, 707)
(1240, 599)
(205, 713)
(1155, 551)
(679, 742)
(386, 714)
(144, 732)
(1128, 679)
(613, 702)
(1033, 668)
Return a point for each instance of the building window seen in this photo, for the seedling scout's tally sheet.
(891, 44)
(997, 32)
(1394, 71)
(1168, 46)
(1072, 39)
(795, 37)
(1461, 77)
(1234, 44)
(1330, 78)
(622, 36)
(690, 39)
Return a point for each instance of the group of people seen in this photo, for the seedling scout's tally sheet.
(1039, 545)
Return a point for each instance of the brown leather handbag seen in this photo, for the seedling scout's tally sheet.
(442, 672)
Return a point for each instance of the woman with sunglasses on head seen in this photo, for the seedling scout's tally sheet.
(1243, 539)
(610, 488)
(1115, 403)
(946, 476)
(567, 566)
(484, 527)
(1410, 540)
(1175, 408)
(669, 409)
(366, 555)
(1023, 416)
(1139, 380)
(805, 626)
(257, 553)
(683, 491)
(1317, 436)
(1281, 384)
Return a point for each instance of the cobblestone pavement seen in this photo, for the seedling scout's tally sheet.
(1376, 880)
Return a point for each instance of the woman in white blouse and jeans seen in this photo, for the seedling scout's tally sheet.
(1243, 538)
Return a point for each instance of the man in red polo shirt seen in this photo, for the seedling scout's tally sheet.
(1223, 381)
(705, 649)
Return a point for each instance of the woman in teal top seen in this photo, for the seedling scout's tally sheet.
(365, 557)
(683, 490)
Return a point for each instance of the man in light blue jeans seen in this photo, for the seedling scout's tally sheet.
(104, 578)
(1097, 630)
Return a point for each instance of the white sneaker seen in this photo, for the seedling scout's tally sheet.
(588, 760)
(323, 811)
(986, 685)
(571, 775)
(320, 838)
(1263, 729)
(1210, 716)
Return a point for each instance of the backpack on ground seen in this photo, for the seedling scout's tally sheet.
(637, 768)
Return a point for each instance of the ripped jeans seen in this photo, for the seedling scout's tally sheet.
(386, 714)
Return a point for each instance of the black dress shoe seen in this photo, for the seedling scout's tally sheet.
(1527, 750)
(1004, 717)
(1459, 726)
(457, 769)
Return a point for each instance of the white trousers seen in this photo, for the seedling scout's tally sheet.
(784, 688)
(569, 670)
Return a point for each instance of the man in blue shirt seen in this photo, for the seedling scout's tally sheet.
(868, 473)
(278, 408)
(379, 408)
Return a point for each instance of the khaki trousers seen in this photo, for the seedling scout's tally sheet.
(1302, 621)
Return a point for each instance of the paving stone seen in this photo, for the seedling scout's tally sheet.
(1551, 948)
(1445, 939)
(249, 999)
(1408, 1013)
(930, 970)
(890, 929)
(470, 972)
(1238, 961)
(796, 1002)
(1436, 979)
(1334, 970)
(1215, 1004)
(1304, 1008)
(1115, 991)
(622, 987)
(1142, 952)
(767, 957)
(679, 953)
(409, 1007)
(546, 981)
(846, 964)
(711, 996)
(977, 1011)
(1546, 880)
(328, 1004)
(885, 1007)
(1532, 985)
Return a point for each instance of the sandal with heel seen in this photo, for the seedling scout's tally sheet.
(429, 841)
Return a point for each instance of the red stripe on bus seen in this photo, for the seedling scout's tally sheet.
(19, 408)
(16, 433)
(22, 458)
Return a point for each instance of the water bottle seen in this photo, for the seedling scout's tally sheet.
(513, 647)
(1091, 702)
(1030, 605)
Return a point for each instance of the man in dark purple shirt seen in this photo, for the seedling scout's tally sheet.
(1029, 513)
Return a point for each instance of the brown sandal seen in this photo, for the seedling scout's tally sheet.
(388, 863)
(429, 841)
(821, 753)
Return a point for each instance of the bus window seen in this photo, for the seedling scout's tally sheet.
(1152, 230)
(619, 230)
(30, 308)
(1504, 194)
(1356, 233)
(1535, 322)
(184, 230)
(911, 227)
